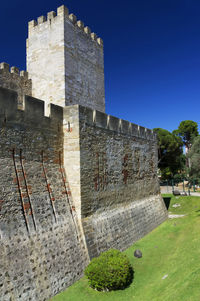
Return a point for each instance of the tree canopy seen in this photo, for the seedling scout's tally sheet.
(170, 153)
(187, 130)
(194, 156)
(171, 160)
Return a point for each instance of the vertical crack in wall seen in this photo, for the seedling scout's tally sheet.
(51, 196)
(17, 170)
(27, 190)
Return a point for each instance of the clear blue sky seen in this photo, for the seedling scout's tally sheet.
(151, 51)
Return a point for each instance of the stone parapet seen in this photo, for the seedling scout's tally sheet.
(63, 11)
(112, 123)
(32, 111)
(12, 78)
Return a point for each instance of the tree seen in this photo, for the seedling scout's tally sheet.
(170, 153)
(187, 130)
(194, 155)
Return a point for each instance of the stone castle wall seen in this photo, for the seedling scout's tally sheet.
(65, 61)
(71, 186)
(119, 197)
(11, 78)
(75, 183)
(41, 251)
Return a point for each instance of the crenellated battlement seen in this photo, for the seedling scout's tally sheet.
(111, 123)
(31, 113)
(63, 11)
(4, 67)
(34, 111)
(14, 79)
(65, 61)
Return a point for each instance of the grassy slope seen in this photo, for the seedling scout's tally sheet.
(173, 248)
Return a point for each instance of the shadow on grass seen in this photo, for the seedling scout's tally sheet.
(167, 201)
(130, 280)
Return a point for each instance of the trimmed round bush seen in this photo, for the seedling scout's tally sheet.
(110, 271)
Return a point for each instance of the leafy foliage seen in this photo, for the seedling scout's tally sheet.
(179, 177)
(187, 130)
(170, 153)
(110, 271)
(194, 156)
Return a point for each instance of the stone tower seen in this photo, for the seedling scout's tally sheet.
(65, 61)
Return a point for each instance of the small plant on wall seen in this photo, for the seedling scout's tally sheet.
(110, 271)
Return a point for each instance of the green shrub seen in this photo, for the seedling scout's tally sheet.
(110, 271)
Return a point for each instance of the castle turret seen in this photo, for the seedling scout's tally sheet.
(13, 79)
(65, 61)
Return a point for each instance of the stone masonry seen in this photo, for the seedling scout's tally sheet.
(11, 78)
(41, 249)
(72, 184)
(111, 165)
(65, 61)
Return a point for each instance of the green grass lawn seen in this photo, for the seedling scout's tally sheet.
(172, 249)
